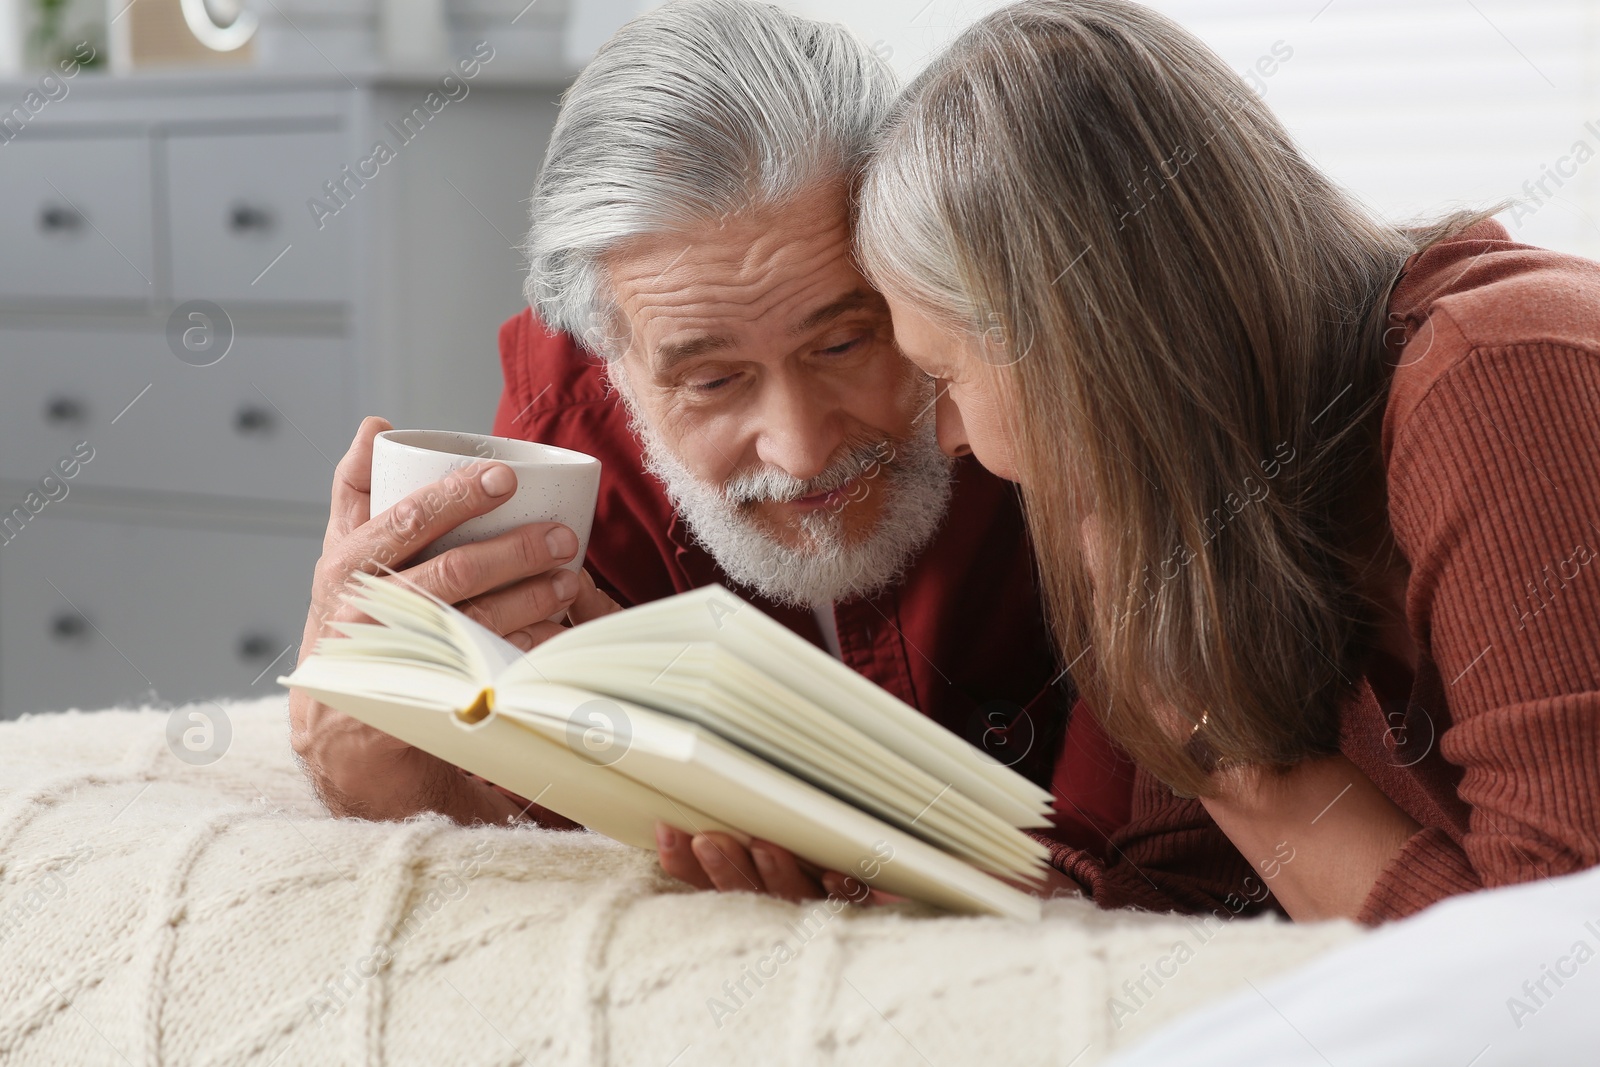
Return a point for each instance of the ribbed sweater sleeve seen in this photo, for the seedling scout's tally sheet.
(1170, 856)
(1494, 496)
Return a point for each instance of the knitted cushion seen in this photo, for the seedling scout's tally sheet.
(165, 910)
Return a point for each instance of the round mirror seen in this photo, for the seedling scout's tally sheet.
(220, 25)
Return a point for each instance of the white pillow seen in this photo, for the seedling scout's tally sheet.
(1506, 977)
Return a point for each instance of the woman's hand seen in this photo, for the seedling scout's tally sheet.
(1319, 833)
(716, 861)
(510, 583)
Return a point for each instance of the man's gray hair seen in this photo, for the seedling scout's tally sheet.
(693, 112)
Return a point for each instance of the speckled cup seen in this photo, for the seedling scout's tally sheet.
(553, 484)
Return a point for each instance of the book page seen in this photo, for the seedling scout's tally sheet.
(410, 608)
(706, 684)
(547, 772)
(715, 615)
(703, 773)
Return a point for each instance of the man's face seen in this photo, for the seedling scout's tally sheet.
(763, 374)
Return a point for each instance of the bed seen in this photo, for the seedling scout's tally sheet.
(172, 893)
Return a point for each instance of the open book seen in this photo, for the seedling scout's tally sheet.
(702, 712)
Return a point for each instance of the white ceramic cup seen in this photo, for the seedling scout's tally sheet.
(553, 484)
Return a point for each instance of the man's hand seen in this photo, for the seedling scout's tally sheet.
(511, 584)
(716, 861)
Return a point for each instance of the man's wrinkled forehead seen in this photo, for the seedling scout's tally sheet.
(776, 270)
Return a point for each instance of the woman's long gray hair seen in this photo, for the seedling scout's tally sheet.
(1190, 323)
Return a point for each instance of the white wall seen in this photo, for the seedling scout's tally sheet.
(1421, 104)
(906, 32)
(591, 22)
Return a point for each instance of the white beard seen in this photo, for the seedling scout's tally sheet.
(824, 568)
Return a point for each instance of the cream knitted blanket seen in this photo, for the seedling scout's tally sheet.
(157, 910)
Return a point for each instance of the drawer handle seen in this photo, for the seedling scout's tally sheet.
(252, 420)
(254, 647)
(244, 218)
(70, 628)
(56, 218)
(65, 410)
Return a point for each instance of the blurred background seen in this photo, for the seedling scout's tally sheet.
(230, 228)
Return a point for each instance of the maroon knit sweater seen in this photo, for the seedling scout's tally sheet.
(1487, 732)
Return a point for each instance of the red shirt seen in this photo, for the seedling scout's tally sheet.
(962, 637)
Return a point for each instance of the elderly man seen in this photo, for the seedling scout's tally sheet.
(703, 330)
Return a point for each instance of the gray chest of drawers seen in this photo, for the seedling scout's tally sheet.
(161, 508)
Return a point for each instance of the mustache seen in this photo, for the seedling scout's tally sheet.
(773, 485)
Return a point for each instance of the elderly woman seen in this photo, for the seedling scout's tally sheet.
(1313, 495)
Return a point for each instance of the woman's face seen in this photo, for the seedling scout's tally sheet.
(968, 402)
